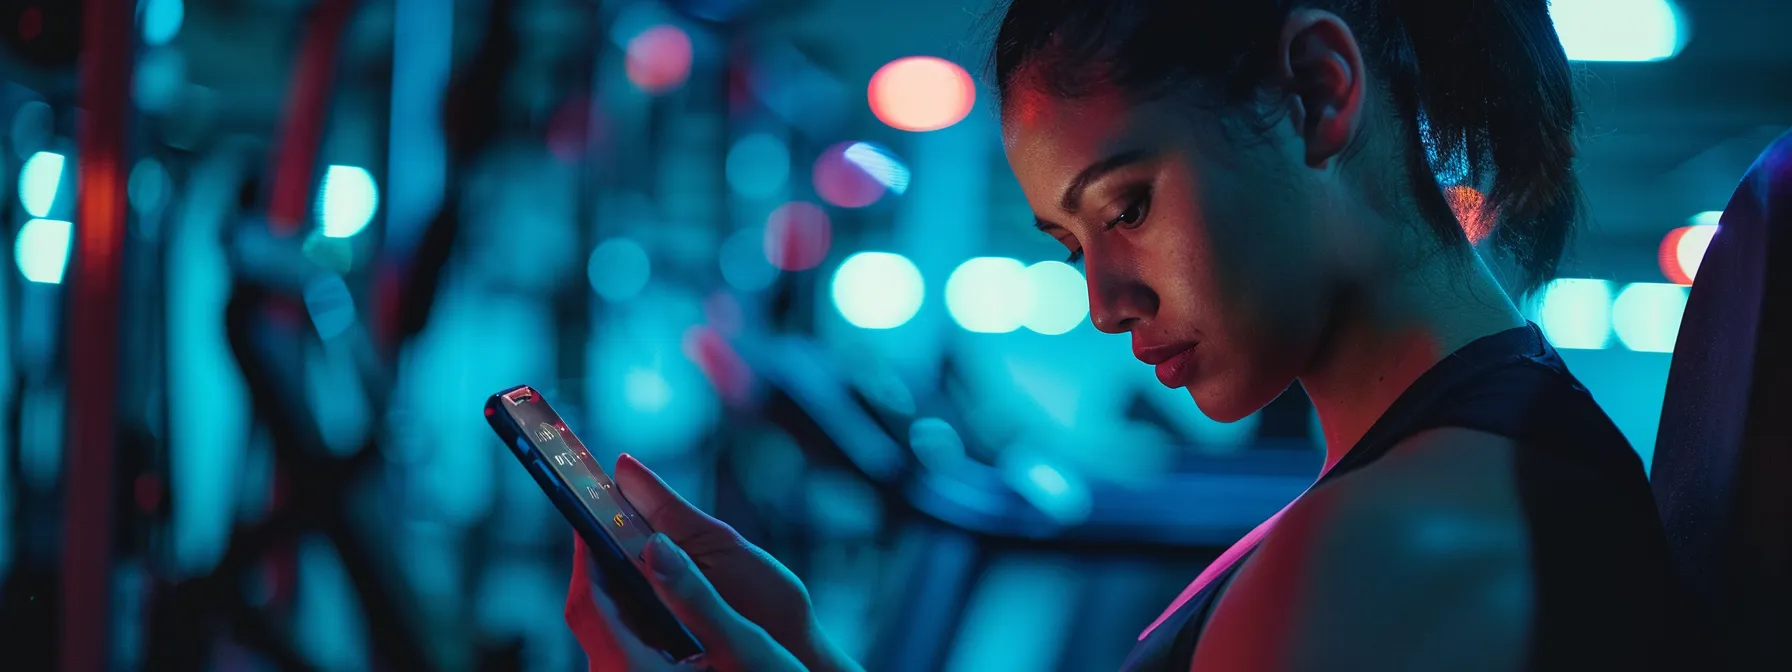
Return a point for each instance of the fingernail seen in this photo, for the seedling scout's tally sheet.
(665, 559)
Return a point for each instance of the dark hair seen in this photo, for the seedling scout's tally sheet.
(1482, 86)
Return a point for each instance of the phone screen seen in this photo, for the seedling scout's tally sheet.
(567, 456)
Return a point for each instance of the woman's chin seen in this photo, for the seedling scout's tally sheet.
(1219, 406)
(1222, 402)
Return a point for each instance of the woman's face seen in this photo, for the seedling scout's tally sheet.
(1211, 246)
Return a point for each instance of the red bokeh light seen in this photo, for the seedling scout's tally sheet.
(720, 363)
(797, 236)
(921, 93)
(842, 182)
(1669, 257)
(659, 59)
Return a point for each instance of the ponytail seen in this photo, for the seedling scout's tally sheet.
(1491, 87)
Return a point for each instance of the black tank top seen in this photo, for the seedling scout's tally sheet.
(1603, 595)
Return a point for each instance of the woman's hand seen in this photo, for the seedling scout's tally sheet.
(748, 611)
(731, 643)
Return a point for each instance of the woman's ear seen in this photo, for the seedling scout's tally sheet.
(1322, 70)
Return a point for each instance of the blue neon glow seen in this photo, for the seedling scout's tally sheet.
(878, 290)
(347, 201)
(647, 390)
(989, 295)
(1060, 298)
(161, 20)
(758, 165)
(1576, 313)
(619, 269)
(1646, 316)
(1619, 30)
(880, 164)
(42, 249)
(39, 181)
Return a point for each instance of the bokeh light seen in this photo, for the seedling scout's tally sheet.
(989, 295)
(619, 269)
(659, 59)
(1646, 316)
(878, 290)
(758, 165)
(148, 188)
(1683, 249)
(347, 201)
(743, 262)
(1619, 30)
(160, 80)
(161, 20)
(797, 236)
(39, 180)
(881, 164)
(921, 93)
(42, 249)
(1060, 298)
(1576, 313)
(843, 182)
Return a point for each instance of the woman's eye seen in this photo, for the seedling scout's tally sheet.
(1134, 214)
(1076, 257)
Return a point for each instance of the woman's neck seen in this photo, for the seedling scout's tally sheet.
(1392, 334)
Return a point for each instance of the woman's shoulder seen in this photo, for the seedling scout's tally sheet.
(1389, 551)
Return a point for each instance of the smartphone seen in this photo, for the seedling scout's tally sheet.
(616, 535)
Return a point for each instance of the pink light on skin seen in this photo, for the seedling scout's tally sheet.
(1225, 561)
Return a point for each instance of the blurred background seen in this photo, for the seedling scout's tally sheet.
(267, 258)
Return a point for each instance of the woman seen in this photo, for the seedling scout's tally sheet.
(1252, 187)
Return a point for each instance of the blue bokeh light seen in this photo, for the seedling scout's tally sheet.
(1576, 313)
(42, 249)
(1619, 30)
(758, 165)
(880, 164)
(39, 182)
(619, 269)
(878, 290)
(1646, 315)
(1060, 298)
(161, 20)
(989, 295)
(347, 201)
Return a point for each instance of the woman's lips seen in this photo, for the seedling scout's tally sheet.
(1174, 363)
(1175, 371)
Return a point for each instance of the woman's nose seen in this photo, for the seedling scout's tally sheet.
(1119, 304)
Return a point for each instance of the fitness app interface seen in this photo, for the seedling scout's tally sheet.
(567, 457)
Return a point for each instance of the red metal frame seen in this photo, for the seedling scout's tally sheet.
(93, 321)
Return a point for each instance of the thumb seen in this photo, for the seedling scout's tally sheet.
(730, 640)
(664, 509)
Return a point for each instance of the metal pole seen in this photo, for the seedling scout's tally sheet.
(93, 303)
